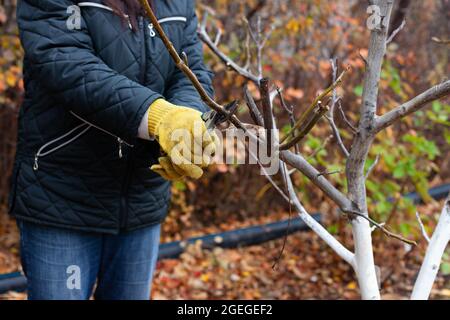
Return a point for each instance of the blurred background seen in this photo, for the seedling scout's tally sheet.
(414, 154)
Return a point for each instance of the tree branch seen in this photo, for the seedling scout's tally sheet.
(330, 116)
(253, 108)
(337, 247)
(297, 161)
(437, 92)
(422, 227)
(433, 257)
(310, 117)
(203, 35)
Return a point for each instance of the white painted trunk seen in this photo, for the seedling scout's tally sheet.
(364, 262)
(433, 257)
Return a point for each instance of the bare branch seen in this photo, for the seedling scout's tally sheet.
(267, 112)
(323, 146)
(372, 167)
(260, 41)
(310, 117)
(330, 116)
(290, 111)
(253, 108)
(329, 173)
(253, 11)
(342, 251)
(422, 227)
(395, 32)
(382, 227)
(269, 178)
(346, 120)
(437, 92)
(440, 41)
(203, 35)
(218, 36)
(180, 63)
(297, 161)
(337, 135)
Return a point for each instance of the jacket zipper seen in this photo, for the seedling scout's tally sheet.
(120, 141)
(130, 160)
(41, 153)
(84, 128)
(102, 6)
(151, 28)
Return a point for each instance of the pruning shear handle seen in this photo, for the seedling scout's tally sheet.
(213, 118)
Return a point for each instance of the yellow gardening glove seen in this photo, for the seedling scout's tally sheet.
(184, 138)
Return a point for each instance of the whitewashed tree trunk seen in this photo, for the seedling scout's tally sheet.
(362, 234)
(433, 257)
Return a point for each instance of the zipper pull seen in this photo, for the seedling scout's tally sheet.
(36, 165)
(120, 141)
(152, 31)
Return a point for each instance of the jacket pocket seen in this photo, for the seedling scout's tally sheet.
(60, 142)
(173, 26)
(120, 141)
(13, 187)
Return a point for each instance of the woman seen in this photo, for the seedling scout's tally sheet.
(102, 101)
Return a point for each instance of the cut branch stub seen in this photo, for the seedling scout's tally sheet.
(266, 103)
(298, 131)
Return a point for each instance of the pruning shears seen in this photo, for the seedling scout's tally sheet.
(213, 118)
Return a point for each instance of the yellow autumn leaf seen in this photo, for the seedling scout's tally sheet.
(293, 26)
(10, 79)
(204, 277)
(351, 285)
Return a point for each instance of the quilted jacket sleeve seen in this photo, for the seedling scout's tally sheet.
(180, 91)
(64, 62)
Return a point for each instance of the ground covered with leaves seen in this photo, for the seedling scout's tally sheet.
(307, 269)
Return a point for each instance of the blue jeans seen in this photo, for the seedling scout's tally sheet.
(66, 265)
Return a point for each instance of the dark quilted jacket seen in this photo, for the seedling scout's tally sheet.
(79, 164)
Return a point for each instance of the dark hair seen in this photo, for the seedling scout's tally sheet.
(132, 8)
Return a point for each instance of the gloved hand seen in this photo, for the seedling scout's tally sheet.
(183, 136)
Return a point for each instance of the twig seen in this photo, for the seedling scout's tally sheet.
(243, 71)
(292, 137)
(381, 227)
(323, 146)
(268, 177)
(290, 111)
(260, 42)
(267, 112)
(253, 11)
(253, 108)
(395, 32)
(337, 135)
(328, 173)
(218, 36)
(372, 167)
(346, 120)
(422, 227)
(440, 41)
